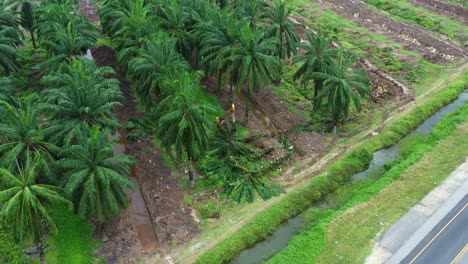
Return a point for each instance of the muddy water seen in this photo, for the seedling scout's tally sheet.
(137, 206)
(277, 241)
(379, 158)
(280, 238)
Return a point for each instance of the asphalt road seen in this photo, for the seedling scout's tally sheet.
(447, 243)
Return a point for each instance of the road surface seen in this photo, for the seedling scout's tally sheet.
(447, 242)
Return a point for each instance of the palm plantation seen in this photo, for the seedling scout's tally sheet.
(57, 109)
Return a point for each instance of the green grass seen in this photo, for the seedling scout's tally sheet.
(11, 252)
(73, 243)
(404, 11)
(341, 236)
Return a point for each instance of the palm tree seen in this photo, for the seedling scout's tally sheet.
(251, 11)
(66, 44)
(80, 97)
(338, 90)
(94, 178)
(318, 53)
(251, 61)
(281, 28)
(216, 38)
(155, 64)
(176, 21)
(184, 122)
(128, 22)
(26, 203)
(22, 133)
(25, 8)
(10, 38)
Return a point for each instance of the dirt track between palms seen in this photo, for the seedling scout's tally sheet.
(452, 11)
(411, 37)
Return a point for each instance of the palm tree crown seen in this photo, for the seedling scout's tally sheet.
(79, 98)
(281, 28)
(156, 63)
(318, 53)
(22, 133)
(339, 85)
(94, 178)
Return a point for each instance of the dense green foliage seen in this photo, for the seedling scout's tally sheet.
(95, 179)
(38, 118)
(26, 204)
(79, 96)
(22, 134)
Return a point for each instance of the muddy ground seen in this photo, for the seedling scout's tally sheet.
(449, 10)
(412, 38)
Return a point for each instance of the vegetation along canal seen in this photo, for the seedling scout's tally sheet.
(280, 238)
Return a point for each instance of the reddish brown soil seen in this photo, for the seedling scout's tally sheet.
(121, 244)
(455, 12)
(412, 38)
(160, 190)
(89, 10)
(162, 194)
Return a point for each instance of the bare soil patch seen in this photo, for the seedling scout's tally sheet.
(87, 9)
(455, 12)
(163, 195)
(411, 37)
(120, 244)
(105, 56)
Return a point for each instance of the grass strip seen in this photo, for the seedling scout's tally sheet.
(404, 11)
(329, 180)
(73, 243)
(11, 252)
(335, 235)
